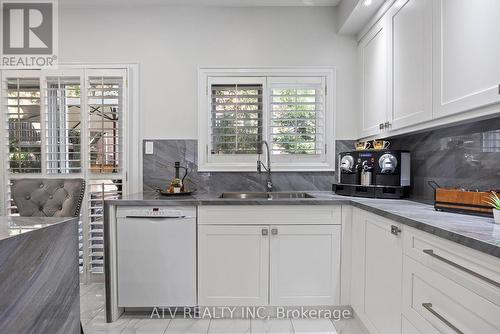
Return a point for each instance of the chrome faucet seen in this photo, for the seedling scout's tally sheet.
(260, 165)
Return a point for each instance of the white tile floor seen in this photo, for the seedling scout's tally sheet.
(94, 322)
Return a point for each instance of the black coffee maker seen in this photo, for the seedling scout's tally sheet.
(374, 173)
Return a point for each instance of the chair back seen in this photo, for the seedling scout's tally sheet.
(48, 197)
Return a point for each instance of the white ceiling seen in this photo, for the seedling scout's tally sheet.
(223, 3)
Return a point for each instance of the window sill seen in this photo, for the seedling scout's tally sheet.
(208, 168)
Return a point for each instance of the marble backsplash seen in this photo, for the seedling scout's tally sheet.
(464, 156)
(158, 169)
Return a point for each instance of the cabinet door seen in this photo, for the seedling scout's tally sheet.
(358, 262)
(233, 265)
(407, 327)
(305, 265)
(466, 54)
(410, 58)
(372, 53)
(383, 272)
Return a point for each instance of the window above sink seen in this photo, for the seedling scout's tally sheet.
(291, 108)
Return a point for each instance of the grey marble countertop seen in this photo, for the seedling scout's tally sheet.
(153, 198)
(11, 227)
(479, 233)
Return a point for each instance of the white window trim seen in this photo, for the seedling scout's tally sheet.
(206, 74)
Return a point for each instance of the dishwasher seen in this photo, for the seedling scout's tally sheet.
(156, 256)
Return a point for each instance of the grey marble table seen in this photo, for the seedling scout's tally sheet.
(39, 275)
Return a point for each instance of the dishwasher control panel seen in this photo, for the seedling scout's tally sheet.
(157, 211)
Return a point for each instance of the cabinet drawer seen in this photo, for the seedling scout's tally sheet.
(269, 214)
(436, 304)
(474, 270)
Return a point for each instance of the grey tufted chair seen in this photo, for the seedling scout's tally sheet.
(48, 197)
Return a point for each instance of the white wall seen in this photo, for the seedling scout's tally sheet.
(170, 43)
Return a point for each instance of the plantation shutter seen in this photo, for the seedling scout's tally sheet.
(297, 116)
(68, 123)
(21, 105)
(98, 191)
(21, 108)
(105, 118)
(63, 124)
(105, 124)
(236, 116)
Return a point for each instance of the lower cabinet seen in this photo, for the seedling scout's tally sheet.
(305, 265)
(377, 260)
(436, 304)
(233, 264)
(411, 282)
(241, 265)
(449, 288)
(407, 327)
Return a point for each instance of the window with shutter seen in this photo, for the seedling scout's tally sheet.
(68, 123)
(105, 124)
(291, 112)
(297, 120)
(22, 106)
(105, 139)
(98, 192)
(63, 124)
(236, 118)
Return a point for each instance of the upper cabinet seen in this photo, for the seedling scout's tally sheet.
(425, 60)
(410, 59)
(372, 53)
(466, 54)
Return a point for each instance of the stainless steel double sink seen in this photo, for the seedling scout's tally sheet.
(265, 195)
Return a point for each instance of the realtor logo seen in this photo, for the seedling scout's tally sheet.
(29, 33)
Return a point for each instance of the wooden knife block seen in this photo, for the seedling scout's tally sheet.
(456, 200)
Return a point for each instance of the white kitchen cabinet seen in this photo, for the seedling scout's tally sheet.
(455, 262)
(436, 304)
(233, 265)
(410, 62)
(372, 55)
(305, 264)
(358, 234)
(466, 74)
(379, 270)
(250, 256)
(407, 327)
(384, 261)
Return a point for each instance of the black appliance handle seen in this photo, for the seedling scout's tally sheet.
(433, 184)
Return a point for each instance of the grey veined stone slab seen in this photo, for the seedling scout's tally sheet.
(39, 275)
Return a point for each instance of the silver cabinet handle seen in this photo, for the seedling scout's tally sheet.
(381, 126)
(428, 307)
(387, 125)
(274, 231)
(430, 252)
(265, 231)
(395, 230)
